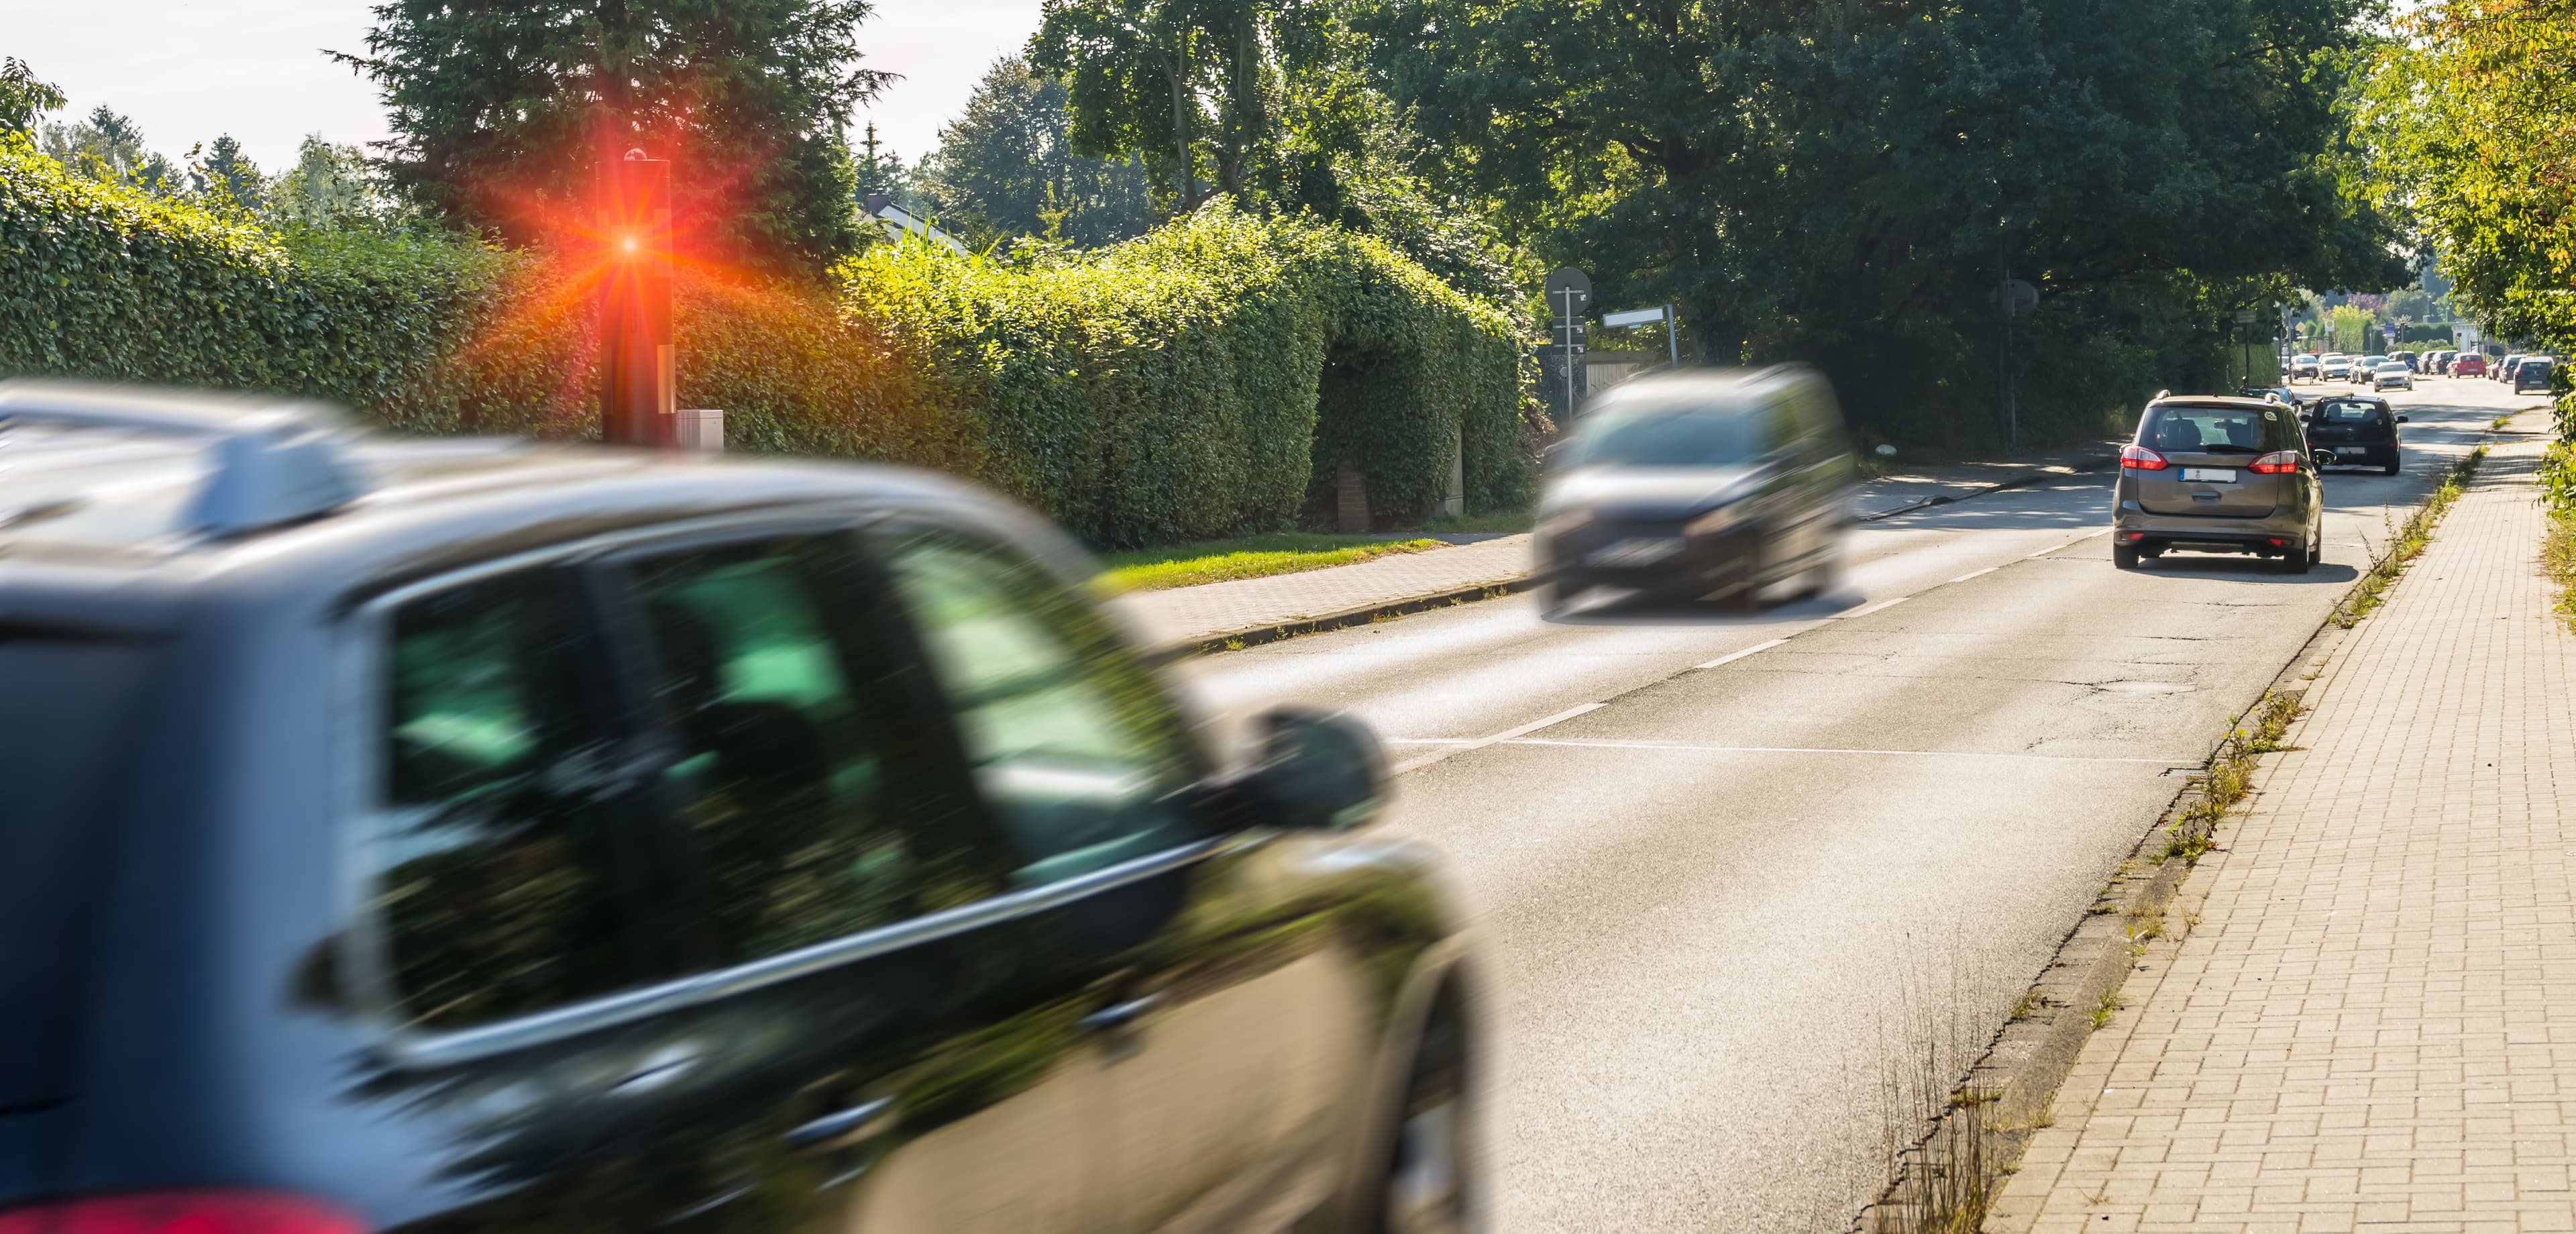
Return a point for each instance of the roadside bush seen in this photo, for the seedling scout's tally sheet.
(1207, 378)
(1190, 384)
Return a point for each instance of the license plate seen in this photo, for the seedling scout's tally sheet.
(2222, 475)
(1633, 552)
(2351, 453)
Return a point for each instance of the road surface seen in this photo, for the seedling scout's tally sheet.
(1729, 873)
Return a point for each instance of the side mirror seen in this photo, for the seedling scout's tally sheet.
(1316, 772)
(2401, 419)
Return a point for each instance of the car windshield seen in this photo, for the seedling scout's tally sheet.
(2348, 411)
(2204, 430)
(1665, 436)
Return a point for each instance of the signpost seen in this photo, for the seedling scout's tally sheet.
(1639, 317)
(2015, 297)
(638, 378)
(1569, 293)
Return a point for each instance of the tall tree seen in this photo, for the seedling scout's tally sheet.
(1007, 167)
(502, 109)
(109, 146)
(230, 175)
(23, 98)
(1844, 183)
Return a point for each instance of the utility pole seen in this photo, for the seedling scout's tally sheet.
(638, 374)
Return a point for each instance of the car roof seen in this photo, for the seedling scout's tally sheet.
(118, 509)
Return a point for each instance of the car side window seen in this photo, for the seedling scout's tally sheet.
(1078, 750)
(499, 886)
(811, 795)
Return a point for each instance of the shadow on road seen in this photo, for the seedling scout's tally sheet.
(2244, 569)
(1637, 609)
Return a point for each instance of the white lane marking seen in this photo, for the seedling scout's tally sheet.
(1425, 760)
(2090, 534)
(1692, 749)
(1733, 656)
(1973, 573)
(1871, 609)
(2072, 543)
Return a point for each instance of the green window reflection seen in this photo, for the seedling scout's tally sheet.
(1077, 749)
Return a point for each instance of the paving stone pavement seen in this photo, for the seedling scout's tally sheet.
(2372, 1026)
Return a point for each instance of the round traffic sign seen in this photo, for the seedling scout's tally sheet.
(1569, 292)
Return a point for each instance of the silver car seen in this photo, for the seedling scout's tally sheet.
(2218, 475)
(2393, 375)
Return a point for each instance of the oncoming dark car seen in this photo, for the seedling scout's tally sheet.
(1706, 486)
(476, 836)
(2533, 374)
(2218, 475)
(2354, 431)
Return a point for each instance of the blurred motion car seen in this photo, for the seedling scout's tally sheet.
(2354, 431)
(1704, 486)
(2303, 365)
(2218, 475)
(2532, 376)
(2335, 367)
(2365, 369)
(2469, 364)
(2393, 375)
(454, 835)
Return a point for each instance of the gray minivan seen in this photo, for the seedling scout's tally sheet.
(2218, 475)
(1702, 487)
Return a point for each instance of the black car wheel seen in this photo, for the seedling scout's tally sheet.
(2124, 557)
(2391, 467)
(2295, 561)
(1428, 1185)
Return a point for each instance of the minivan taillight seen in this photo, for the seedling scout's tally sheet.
(2142, 459)
(182, 1212)
(2275, 463)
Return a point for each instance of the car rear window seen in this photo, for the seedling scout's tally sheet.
(2347, 411)
(69, 706)
(2212, 430)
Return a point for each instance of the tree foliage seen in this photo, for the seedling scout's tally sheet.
(501, 111)
(2471, 114)
(1007, 167)
(23, 97)
(1844, 183)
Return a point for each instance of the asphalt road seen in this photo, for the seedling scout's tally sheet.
(1731, 873)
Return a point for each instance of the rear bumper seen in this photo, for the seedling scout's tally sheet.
(1702, 565)
(2219, 535)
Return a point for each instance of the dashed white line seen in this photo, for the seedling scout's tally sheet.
(1733, 656)
(1973, 573)
(1416, 764)
(1864, 612)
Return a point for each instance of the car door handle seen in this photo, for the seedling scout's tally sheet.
(1119, 1015)
(862, 1120)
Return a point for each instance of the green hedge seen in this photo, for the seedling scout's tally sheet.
(1207, 378)
(1195, 383)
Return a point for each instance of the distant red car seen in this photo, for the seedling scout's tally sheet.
(2470, 365)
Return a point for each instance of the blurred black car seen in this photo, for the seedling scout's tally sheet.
(1700, 486)
(478, 836)
(2354, 431)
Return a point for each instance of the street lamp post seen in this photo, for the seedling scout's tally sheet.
(638, 379)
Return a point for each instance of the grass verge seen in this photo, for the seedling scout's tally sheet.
(1215, 561)
(2229, 774)
(2412, 536)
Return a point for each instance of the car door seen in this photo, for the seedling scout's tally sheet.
(1227, 1029)
(832, 1018)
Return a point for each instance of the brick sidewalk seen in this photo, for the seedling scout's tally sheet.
(2372, 1026)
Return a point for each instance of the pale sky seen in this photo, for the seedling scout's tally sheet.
(188, 70)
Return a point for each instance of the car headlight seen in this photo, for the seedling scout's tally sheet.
(1723, 518)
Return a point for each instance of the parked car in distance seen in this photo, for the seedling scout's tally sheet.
(2334, 367)
(2533, 376)
(1705, 486)
(2279, 394)
(2303, 365)
(2407, 358)
(481, 836)
(2504, 368)
(2437, 362)
(2354, 430)
(2365, 369)
(2393, 374)
(2218, 475)
(2469, 364)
